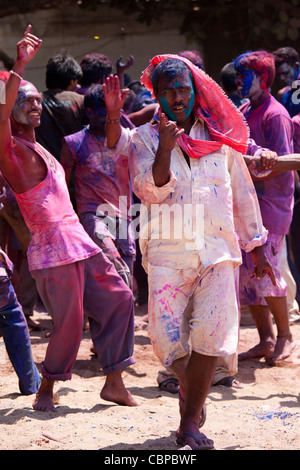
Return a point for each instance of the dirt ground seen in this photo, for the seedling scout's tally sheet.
(262, 415)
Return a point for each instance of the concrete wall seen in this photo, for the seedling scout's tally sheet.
(79, 31)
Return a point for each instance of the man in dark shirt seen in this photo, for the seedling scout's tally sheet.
(63, 111)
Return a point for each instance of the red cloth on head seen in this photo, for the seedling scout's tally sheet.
(225, 123)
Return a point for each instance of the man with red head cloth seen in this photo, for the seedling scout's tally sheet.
(199, 208)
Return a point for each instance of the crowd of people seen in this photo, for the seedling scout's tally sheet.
(172, 191)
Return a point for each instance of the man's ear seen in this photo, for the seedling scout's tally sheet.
(72, 85)
(263, 80)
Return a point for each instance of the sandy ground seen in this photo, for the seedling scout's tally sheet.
(262, 415)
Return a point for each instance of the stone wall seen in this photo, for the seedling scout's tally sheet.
(79, 31)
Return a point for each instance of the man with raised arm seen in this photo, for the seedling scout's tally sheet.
(187, 162)
(71, 272)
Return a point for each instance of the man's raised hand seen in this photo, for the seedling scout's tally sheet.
(114, 97)
(168, 133)
(28, 46)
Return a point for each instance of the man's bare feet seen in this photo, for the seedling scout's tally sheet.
(262, 349)
(44, 399)
(283, 349)
(114, 390)
(32, 325)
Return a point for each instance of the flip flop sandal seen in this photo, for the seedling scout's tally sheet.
(229, 382)
(204, 442)
(164, 385)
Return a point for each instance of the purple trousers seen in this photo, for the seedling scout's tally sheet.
(93, 287)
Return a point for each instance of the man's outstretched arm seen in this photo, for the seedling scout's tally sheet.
(283, 163)
(26, 50)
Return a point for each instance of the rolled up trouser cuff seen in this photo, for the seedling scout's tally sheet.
(119, 367)
(53, 377)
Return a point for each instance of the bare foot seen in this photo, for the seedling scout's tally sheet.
(93, 350)
(283, 349)
(262, 349)
(114, 390)
(32, 325)
(44, 399)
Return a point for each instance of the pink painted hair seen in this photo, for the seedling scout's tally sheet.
(262, 62)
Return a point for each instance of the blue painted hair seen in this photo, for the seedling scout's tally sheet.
(168, 69)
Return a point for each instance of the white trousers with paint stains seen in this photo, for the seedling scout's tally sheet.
(193, 309)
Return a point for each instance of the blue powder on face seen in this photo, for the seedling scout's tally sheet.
(165, 104)
(247, 80)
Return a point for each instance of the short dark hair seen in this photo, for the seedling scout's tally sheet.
(60, 70)
(94, 97)
(285, 55)
(228, 76)
(261, 62)
(95, 68)
(168, 69)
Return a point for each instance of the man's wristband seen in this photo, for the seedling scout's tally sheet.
(16, 74)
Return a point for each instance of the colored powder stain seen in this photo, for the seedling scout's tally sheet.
(250, 293)
(172, 293)
(191, 102)
(171, 331)
(179, 290)
(247, 81)
(282, 415)
(167, 286)
(168, 307)
(215, 329)
(165, 105)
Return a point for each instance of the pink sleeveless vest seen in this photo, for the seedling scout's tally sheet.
(57, 236)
